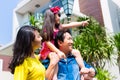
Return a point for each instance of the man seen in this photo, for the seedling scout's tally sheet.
(68, 68)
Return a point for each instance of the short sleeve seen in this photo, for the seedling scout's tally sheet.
(21, 72)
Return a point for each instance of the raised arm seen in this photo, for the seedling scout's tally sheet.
(74, 24)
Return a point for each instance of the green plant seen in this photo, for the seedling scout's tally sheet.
(117, 42)
(103, 75)
(36, 22)
(93, 43)
(95, 46)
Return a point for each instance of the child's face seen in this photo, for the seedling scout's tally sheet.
(57, 18)
(37, 41)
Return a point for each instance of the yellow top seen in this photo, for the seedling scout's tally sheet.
(30, 69)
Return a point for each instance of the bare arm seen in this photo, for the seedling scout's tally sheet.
(50, 72)
(80, 62)
(52, 66)
(78, 58)
(54, 49)
(74, 24)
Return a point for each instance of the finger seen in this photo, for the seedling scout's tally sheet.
(88, 20)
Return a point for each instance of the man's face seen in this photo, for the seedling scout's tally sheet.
(67, 44)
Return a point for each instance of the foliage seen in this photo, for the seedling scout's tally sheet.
(103, 75)
(36, 21)
(117, 42)
(93, 43)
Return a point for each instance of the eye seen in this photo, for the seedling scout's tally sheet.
(38, 36)
(59, 15)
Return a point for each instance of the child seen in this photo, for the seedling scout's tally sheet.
(50, 28)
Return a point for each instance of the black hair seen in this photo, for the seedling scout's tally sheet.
(60, 36)
(23, 45)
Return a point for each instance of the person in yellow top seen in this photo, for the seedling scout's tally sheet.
(25, 65)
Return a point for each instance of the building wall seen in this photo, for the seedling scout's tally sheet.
(6, 60)
(5, 75)
(111, 21)
(92, 8)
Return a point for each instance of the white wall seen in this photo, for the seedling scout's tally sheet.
(110, 17)
(18, 21)
(5, 75)
(1, 65)
(17, 18)
(106, 16)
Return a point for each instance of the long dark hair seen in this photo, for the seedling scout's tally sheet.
(48, 25)
(23, 46)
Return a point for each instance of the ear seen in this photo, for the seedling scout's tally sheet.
(60, 43)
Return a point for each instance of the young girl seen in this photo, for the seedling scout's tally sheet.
(25, 65)
(50, 28)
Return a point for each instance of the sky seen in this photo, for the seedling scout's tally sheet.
(6, 20)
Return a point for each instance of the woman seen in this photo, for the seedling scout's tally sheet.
(25, 65)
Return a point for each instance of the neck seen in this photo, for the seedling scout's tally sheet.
(64, 51)
(32, 55)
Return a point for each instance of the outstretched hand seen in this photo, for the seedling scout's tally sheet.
(85, 23)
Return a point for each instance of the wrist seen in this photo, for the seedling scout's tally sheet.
(91, 72)
(83, 23)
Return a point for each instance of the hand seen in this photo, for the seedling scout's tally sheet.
(61, 55)
(84, 70)
(54, 58)
(75, 52)
(91, 72)
(87, 74)
(55, 77)
(85, 23)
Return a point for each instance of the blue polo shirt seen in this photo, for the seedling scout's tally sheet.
(68, 69)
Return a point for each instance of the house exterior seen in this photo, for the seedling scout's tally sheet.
(107, 12)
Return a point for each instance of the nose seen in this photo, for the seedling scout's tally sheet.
(58, 18)
(72, 41)
(40, 38)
